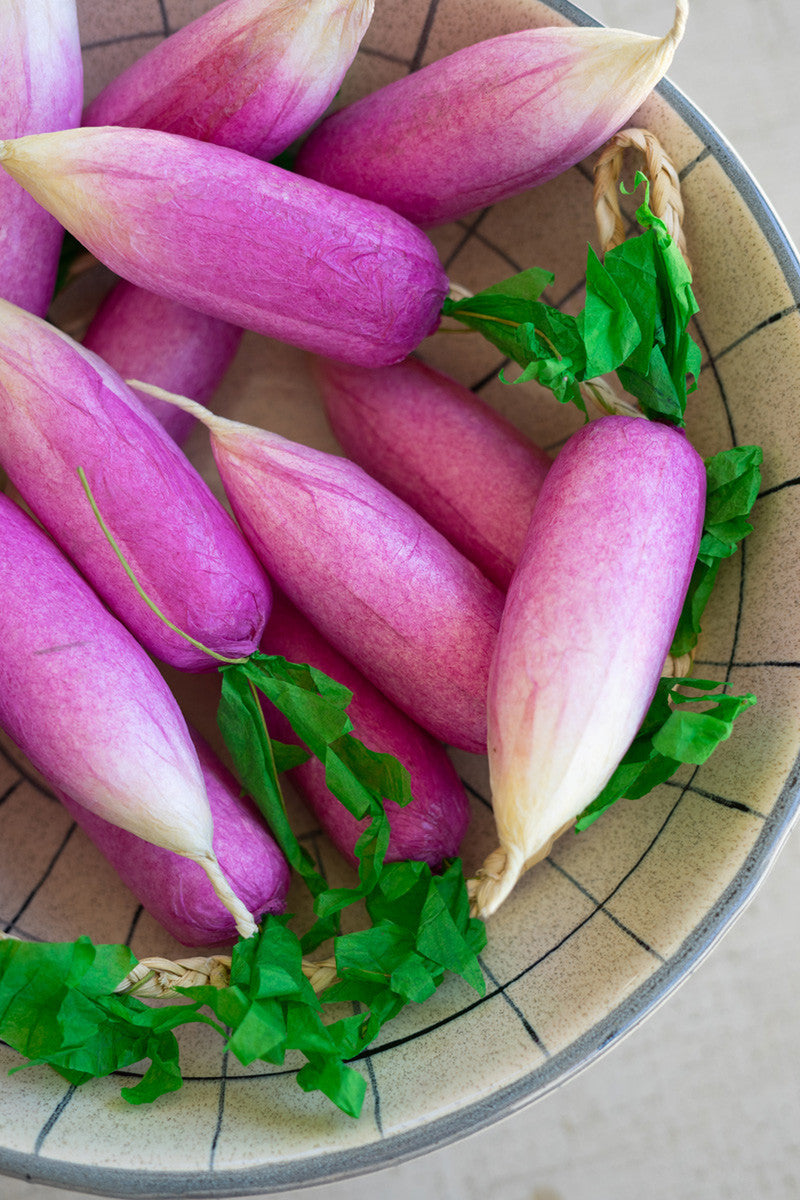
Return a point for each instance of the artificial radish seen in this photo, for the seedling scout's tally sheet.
(380, 583)
(431, 827)
(441, 449)
(42, 90)
(87, 706)
(250, 74)
(62, 408)
(240, 239)
(489, 121)
(175, 890)
(145, 336)
(588, 622)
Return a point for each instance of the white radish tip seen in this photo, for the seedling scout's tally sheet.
(496, 879)
(679, 24)
(493, 882)
(219, 426)
(159, 393)
(245, 923)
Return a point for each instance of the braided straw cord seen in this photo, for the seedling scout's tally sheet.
(665, 189)
(158, 978)
(153, 978)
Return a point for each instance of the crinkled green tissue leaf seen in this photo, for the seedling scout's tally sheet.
(635, 321)
(734, 479)
(678, 728)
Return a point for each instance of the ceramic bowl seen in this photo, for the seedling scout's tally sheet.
(601, 931)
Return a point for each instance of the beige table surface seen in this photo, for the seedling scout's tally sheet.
(701, 1101)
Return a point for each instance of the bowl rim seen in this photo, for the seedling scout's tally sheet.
(332, 1166)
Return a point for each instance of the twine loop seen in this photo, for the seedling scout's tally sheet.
(666, 201)
(158, 978)
(153, 978)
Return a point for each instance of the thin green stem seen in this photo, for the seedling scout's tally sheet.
(449, 332)
(483, 317)
(504, 321)
(129, 572)
(548, 341)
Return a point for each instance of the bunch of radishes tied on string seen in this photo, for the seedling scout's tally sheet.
(360, 616)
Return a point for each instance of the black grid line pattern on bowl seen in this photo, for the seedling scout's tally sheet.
(584, 948)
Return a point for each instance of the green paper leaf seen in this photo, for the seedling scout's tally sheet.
(499, 310)
(38, 980)
(527, 286)
(691, 736)
(413, 979)
(551, 350)
(241, 722)
(359, 778)
(632, 266)
(655, 389)
(678, 304)
(380, 775)
(372, 954)
(400, 895)
(420, 924)
(57, 1007)
(639, 304)
(673, 732)
(343, 1085)
(274, 1009)
(261, 1034)
(163, 1074)
(442, 941)
(733, 482)
(611, 332)
(286, 755)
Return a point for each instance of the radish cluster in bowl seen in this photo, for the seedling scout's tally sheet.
(611, 920)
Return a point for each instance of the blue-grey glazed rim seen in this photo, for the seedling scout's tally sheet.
(562, 1066)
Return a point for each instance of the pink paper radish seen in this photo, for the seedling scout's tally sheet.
(145, 336)
(240, 239)
(175, 890)
(250, 74)
(62, 408)
(431, 827)
(87, 706)
(435, 444)
(380, 583)
(42, 89)
(588, 622)
(489, 121)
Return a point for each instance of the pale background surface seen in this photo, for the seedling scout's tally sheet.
(702, 1101)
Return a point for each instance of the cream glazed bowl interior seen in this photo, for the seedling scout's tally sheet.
(604, 928)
